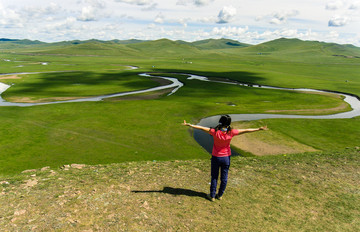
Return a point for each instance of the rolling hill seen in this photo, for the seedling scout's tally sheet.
(209, 44)
(296, 46)
(164, 47)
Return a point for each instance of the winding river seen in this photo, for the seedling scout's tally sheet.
(352, 100)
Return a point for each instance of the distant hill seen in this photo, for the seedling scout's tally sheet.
(22, 42)
(165, 47)
(129, 41)
(294, 46)
(90, 48)
(218, 44)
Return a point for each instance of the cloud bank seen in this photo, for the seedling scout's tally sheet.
(333, 21)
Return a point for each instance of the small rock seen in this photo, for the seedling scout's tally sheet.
(78, 166)
(29, 170)
(45, 168)
(20, 212)
(146, 205)
(72, 221)
(65, 167)
(4, 182)
(31, 183)
(52, 173)
(111, 216)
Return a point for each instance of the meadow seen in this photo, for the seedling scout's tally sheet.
(121, 129)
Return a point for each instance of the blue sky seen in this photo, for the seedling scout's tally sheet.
(248, 21)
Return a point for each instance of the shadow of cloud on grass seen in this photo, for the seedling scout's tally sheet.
(175, 191)
(240, 76)
(60, 84)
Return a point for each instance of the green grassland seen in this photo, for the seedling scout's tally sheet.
(118, 130)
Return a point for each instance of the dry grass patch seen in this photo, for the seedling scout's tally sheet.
(268, 142)
(41, 100)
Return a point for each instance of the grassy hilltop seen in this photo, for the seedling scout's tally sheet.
(144, 171)
(307, 192)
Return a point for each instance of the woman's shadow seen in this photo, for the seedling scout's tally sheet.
(176, 192)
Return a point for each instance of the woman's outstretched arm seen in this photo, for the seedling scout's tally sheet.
(206, 129)
(243, 131)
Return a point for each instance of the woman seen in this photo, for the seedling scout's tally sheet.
(221, 151)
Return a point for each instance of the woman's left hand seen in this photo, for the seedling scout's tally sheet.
(185, 123)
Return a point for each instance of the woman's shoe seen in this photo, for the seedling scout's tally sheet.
(210, 198)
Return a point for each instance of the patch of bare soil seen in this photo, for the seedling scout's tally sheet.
(9, 77)
(41, 100)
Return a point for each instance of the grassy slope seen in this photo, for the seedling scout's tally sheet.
(307, 192)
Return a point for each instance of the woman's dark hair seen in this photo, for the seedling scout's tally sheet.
(224, 123)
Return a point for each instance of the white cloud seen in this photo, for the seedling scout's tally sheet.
(95, 3)
(202, 2)
(211, 19)
(93, 10)
(150, 7)
(183, 22)
(334, 5)
(136, 2)
(282, 17)
(229, 31)
(279, 17)
(338, 21)
(226, 14)
(88, 13)
(160, 18)
(31, 11)
(10, 18)
(198, 3)
(354, 6)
